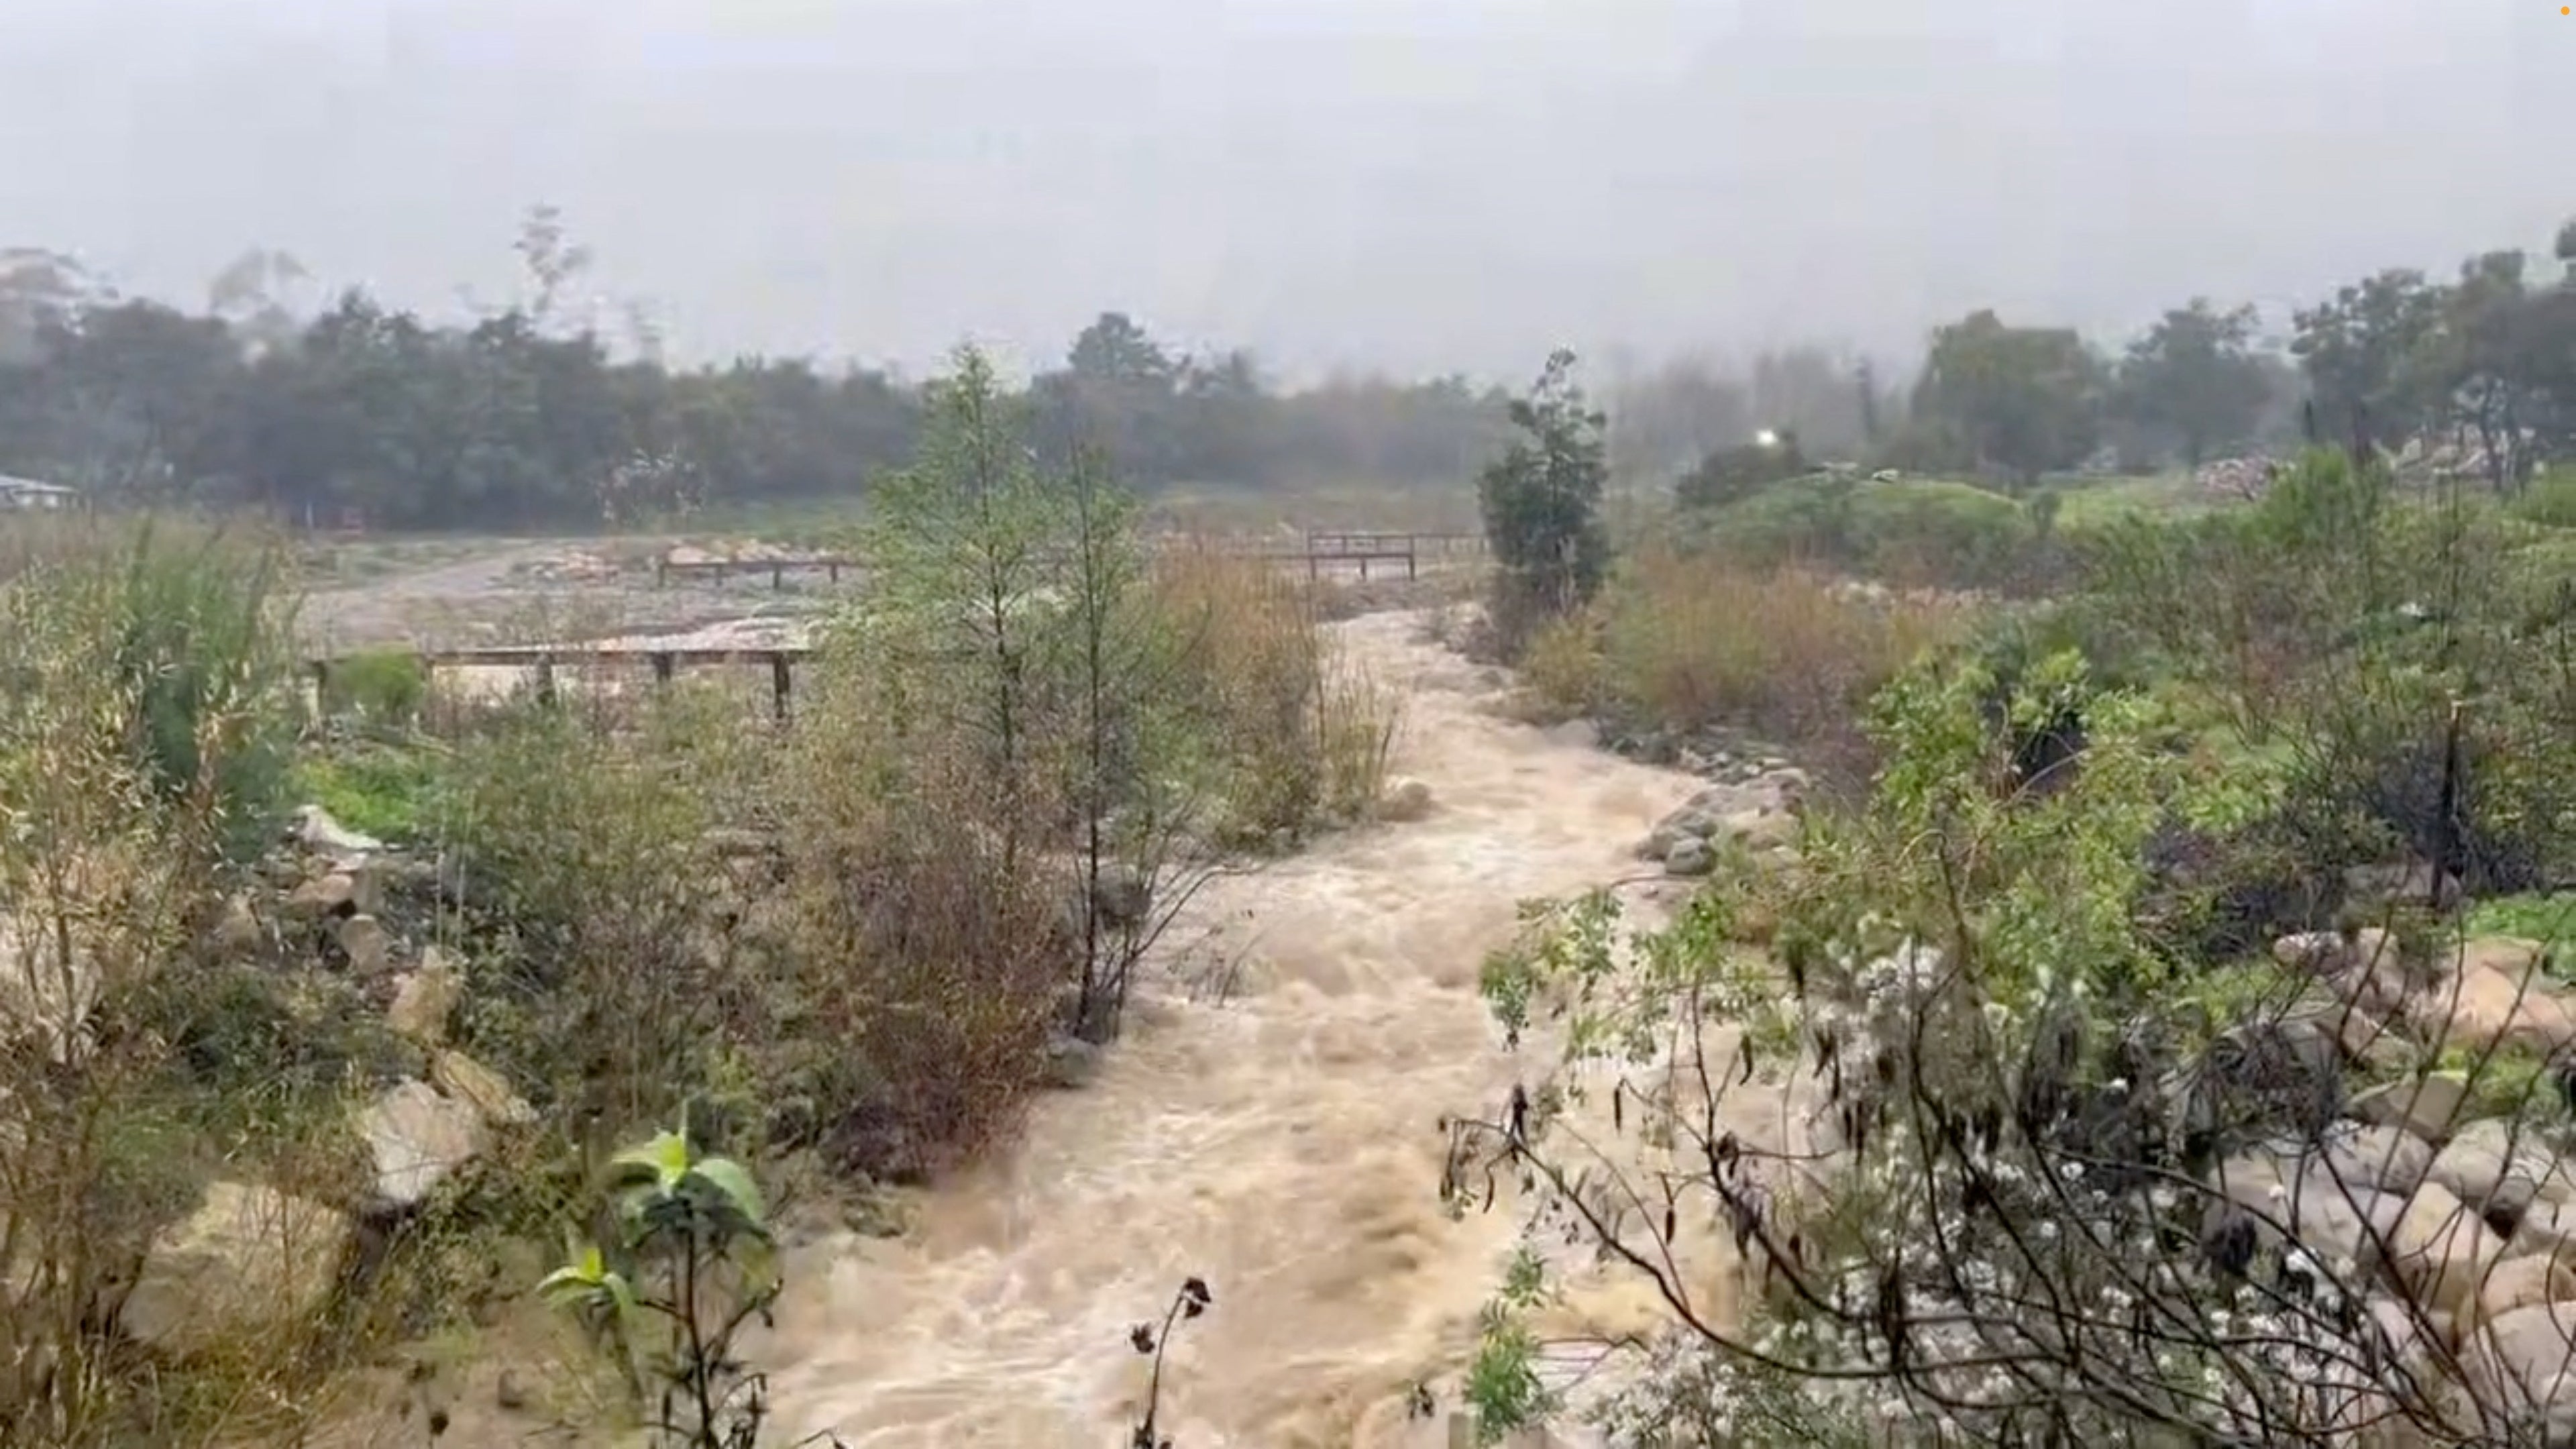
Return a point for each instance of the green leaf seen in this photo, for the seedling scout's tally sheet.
(665, 1159)
(565, 1285)
(615, 1285)
(729, 1178)
(585, 1275)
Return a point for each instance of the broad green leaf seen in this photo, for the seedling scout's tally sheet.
(666, 1158)
(585, 1275)
(620, 1294)
(728, 1177)
(566, 1284)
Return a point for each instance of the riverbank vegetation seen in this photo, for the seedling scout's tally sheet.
(2169, 957)
(2174, 990)
(285, 1089)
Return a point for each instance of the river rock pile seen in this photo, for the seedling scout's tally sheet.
(2234, 477)
(575, 566)
(253, 1255)
(1723, 756)
(741, 551)
(2430, 460)
(2414, 1186)
(1756, 813)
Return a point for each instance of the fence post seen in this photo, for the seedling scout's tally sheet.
(661, 571)
(779, 679)
(546, 680)
(321, 689)
(663, 664)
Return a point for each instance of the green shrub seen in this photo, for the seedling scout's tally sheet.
(144, 720)
(393, 792)
(195, 622)
(2550, 501)
(1730, 475)
(380, 686)
(2405, 658)
(1910, 531)
(690, 1262)
(583, 862)
(1999, 1043)
(1690, 642)
(1541, 503)
(2534, 916)
(1936, 532)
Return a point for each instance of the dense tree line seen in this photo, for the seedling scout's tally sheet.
(524, 418)
(2484, 364)
(529, 417)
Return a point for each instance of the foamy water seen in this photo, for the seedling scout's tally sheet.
(1284, 1144)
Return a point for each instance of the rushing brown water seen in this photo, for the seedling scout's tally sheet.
(1282, 1144)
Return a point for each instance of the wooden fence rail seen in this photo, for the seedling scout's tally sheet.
(1318, 548)
(777, 568)
(540, 660)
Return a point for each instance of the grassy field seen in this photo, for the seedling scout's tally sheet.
(2091, 501)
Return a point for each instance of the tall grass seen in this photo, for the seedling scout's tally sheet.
(143, 730)
(925, 967)
(1305, 734)
(194, 622)
(1687, 641)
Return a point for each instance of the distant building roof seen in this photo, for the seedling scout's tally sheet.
(30, 485)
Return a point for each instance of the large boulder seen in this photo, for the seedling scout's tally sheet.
(2267, 1076)
(1405, 800)
(1758, 816)
(481, 1088)
(1761, 829)
(2388, 1159)
(238, 931)
(1689, 823)
(416, 1138)
(2520, 1282)
(2430, 1106)
(2493, 994)
(318, 832)
(369, 946)
(426, 999)
(333, 893)
(2501, 1167)
(2441, 1250)
(2362, 968)
(2547, 1229)
(2302, 1198)
(1690, 857)
(247, 1263)
(2525, 1365)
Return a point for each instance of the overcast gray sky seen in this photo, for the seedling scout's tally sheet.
(1414, 184)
